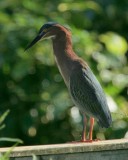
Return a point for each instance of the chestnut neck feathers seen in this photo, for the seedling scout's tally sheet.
(64, 54)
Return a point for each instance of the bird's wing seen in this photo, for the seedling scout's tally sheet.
(88, 95)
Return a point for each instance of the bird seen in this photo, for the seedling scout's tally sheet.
(83, 86)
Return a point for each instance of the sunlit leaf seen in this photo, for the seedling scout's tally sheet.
(79, 6)
(115, 43)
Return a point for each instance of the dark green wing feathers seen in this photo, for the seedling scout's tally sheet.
(88, 95)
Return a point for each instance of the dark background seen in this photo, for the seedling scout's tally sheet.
(41, 111)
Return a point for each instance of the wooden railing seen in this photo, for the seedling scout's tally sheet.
(100, 150)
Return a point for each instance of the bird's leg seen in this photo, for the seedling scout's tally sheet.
(84, 131)
(91, 128)
(84, 128)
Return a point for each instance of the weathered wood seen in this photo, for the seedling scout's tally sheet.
(100, 150)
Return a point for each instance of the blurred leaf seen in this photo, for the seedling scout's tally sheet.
(115, 43)
(11, 140)
(34, 157)
(2, 118)
(79, 6)
(2, 126)
(21, 69)
(6, 155)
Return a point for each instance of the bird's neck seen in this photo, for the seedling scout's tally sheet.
(64, 54)
(62, 46)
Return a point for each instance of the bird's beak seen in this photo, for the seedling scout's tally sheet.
(35, 40)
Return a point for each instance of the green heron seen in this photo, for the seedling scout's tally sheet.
(84, 88)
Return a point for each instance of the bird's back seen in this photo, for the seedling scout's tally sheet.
(88, 94)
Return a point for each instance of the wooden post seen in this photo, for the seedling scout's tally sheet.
(100, 150)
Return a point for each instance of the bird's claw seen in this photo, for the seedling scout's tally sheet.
(90, 140)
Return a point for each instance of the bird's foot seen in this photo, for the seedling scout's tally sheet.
(89, 140)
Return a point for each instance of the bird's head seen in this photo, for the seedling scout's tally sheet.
(48, 30)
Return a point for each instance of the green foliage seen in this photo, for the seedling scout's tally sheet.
(2, 118)
(6, 155)
(34, 157)
(41, 111)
